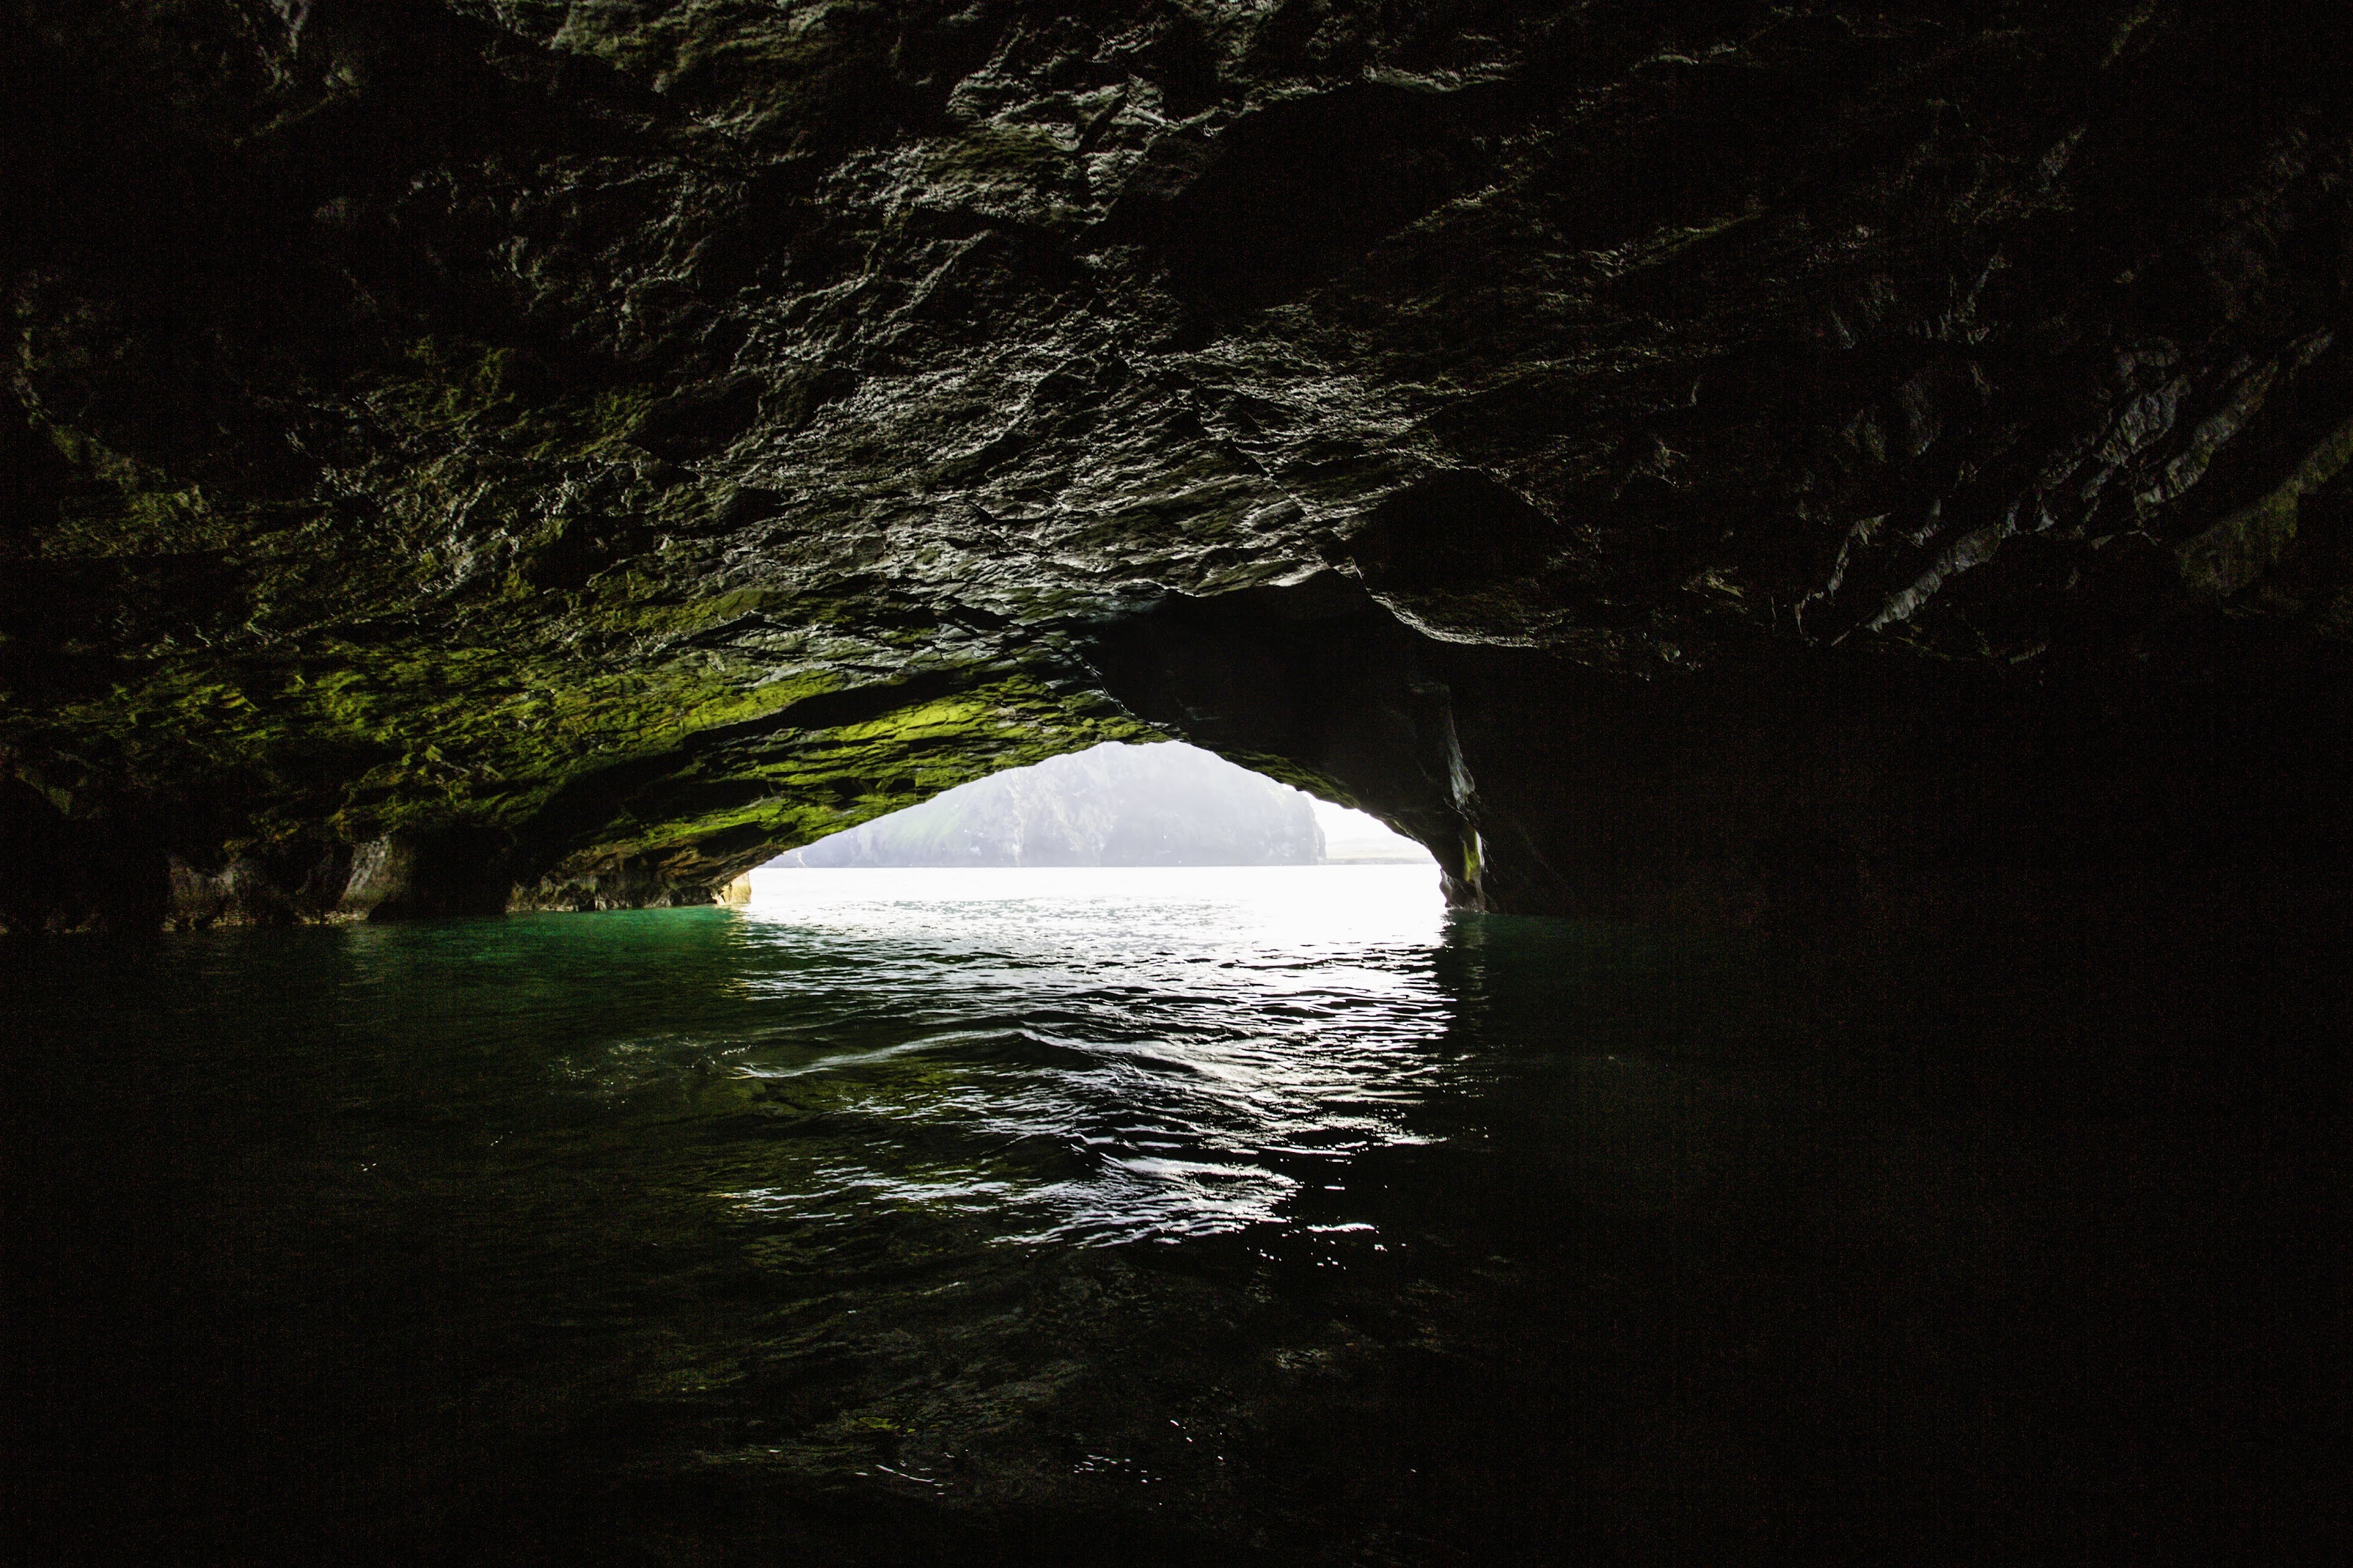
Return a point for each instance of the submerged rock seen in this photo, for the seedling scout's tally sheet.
(1725, 462)
(1109, 805)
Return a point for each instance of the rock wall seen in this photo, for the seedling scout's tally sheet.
(1890, 798)
(1810, 464)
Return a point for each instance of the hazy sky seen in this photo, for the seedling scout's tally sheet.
(1115, 804)
(1340, 823)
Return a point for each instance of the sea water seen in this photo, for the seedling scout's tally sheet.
(1194, 1214)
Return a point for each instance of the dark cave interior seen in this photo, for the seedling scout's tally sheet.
(1871, 481)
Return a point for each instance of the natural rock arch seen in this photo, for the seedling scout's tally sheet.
(1835, 467)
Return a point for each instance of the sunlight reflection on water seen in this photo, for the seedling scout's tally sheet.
(719, 1234)
(1167, 1048)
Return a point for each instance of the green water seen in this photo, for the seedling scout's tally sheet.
(1252, 1216)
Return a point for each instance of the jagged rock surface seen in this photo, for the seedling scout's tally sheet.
(1108, 806)
(1708, 460)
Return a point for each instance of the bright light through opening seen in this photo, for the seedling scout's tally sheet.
(1166, 805)
(1234, 910)
(1357, 838)
(1206, 1032)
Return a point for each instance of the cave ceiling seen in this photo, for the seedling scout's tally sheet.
(675, 429)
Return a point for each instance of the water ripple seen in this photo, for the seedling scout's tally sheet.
(1118, 1058)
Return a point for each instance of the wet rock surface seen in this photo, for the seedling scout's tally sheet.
(1817, 465)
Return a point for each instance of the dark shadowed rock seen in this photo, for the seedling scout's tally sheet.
(1827, 465)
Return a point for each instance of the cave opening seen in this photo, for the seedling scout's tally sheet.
(1831, 525)
(1143, 826)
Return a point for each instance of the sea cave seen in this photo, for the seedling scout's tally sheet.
(1830, 524)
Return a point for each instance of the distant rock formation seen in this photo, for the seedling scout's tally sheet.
(1167, 805)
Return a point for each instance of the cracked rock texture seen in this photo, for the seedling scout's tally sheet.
(1810, 463)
